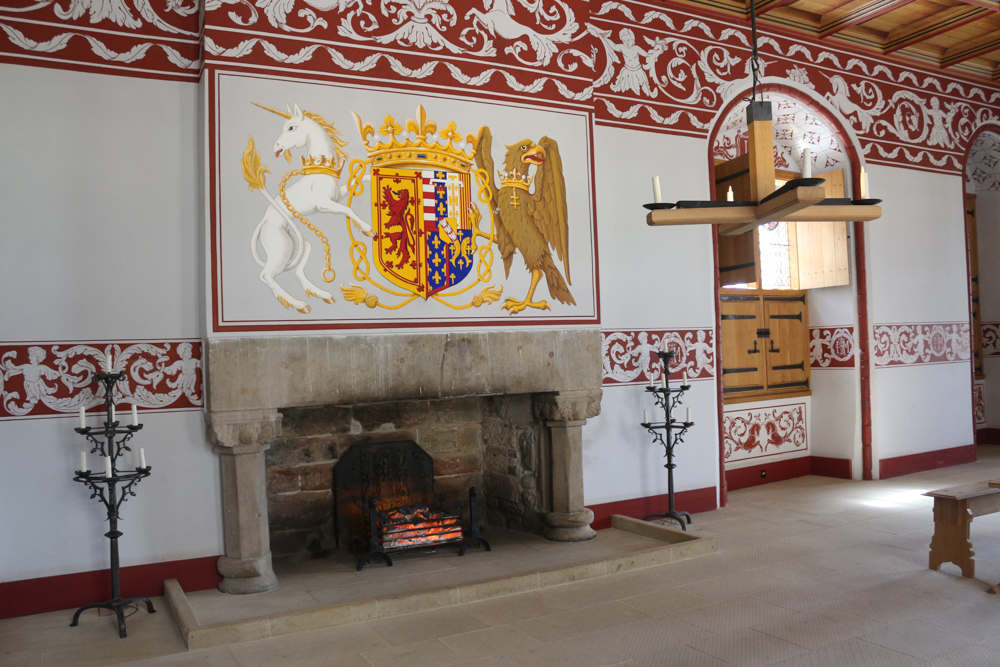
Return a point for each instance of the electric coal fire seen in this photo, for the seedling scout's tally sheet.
(418, 526)
(383, 494)
(669, 433)
(104, 485)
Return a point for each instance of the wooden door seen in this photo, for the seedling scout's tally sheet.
(743, 363)
(786, 318)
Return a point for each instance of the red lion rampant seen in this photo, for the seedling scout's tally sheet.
(402, 240)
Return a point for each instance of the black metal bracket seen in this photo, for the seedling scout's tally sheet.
(374, 544)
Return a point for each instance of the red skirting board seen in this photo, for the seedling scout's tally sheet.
(941, 458)
(695, 500)
(69, 591)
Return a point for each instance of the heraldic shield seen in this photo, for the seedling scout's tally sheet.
(423, 233)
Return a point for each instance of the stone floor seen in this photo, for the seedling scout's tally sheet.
(812, 571)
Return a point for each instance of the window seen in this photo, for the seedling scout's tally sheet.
(764, 306)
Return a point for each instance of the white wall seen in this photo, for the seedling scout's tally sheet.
(917, 274)
(102, 242)
(651, 278)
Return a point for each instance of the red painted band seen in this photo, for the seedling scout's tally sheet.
(988, 436)
(776, 471)
(68, 591)
(695, 500)
(829, 467)
(911, 463)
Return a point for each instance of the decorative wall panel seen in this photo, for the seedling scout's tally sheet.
(758, 432)
(136, 37)
(991, 339)
(48, 379)
(928, 343)
(630, 356)
(831, 347)
(979, 404)
(983, 166)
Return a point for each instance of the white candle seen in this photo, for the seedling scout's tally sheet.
(645, 416)
(688, 420)
(112, 414)
(729, 195)
(650, 378)
(664, 379)
(83, 460)
(108, 363)
(864, 183)
(657, 197)
(142, 457)
(107, 466)
(684, 378)
(663, 343)
(83, 417)
(135, 415)
(807, 167)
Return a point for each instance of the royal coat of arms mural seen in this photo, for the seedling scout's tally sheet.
(410, 214)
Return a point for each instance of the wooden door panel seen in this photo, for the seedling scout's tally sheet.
(786, 317)
(743, 357)
(736, 253)
(822, 258)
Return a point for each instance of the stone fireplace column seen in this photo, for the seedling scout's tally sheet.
(565, 414)
(242, 437)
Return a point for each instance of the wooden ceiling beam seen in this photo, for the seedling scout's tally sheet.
(855, 13)
(933, 25)
(764, 6)
(985, 4)
(971, 49)
(996, 73)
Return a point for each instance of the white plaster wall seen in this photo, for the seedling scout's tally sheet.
(102, 242)
(916, 251)
(651, 278)
(835, 423)
(918, 273)
(921, 408)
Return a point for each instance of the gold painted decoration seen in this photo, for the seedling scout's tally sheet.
(425, 192)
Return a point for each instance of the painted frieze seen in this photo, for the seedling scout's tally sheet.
(47, 379)
(831, 347)
(928, 343)
(979, 404)
(757, 432)
(991, 339)
(983, 166)
(630, 356)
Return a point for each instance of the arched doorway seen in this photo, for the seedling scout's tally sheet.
(768, 436)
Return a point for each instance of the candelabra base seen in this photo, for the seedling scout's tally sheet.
(679, 517)
(117, 606)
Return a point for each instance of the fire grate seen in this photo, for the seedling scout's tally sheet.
(417, 526)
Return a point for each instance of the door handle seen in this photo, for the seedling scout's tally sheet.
(754, 349)
(773, 348)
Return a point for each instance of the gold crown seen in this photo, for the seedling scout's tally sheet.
(322, 164)
(420, 145)
(515, 180)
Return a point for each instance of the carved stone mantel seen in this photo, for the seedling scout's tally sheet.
(249, 380)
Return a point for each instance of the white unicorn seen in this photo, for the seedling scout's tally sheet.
(317, 191)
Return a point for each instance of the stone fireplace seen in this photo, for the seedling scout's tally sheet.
(501, 410)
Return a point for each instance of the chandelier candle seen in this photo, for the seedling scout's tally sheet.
(113, 487)
(668, 434)
(807, 165)
(657, 196)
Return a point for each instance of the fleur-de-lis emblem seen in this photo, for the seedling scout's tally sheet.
(422, 127)
(390, 127)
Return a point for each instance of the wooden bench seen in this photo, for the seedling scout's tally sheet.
(954, 509)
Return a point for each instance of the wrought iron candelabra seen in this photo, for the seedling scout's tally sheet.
(668, 433)
(112, 489)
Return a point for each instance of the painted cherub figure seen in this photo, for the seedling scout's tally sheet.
(631, 77)
(35, 373)
(186, 371)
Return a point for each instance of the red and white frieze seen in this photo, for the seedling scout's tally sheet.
(50, 379)
(927, 343)
(978, 404)
(630, 356)
(991, 339)
(138, 37)
(831, 347)
(756, 432)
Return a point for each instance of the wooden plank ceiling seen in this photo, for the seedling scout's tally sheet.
(958, 36)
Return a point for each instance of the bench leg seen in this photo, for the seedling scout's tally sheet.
(951, 542)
